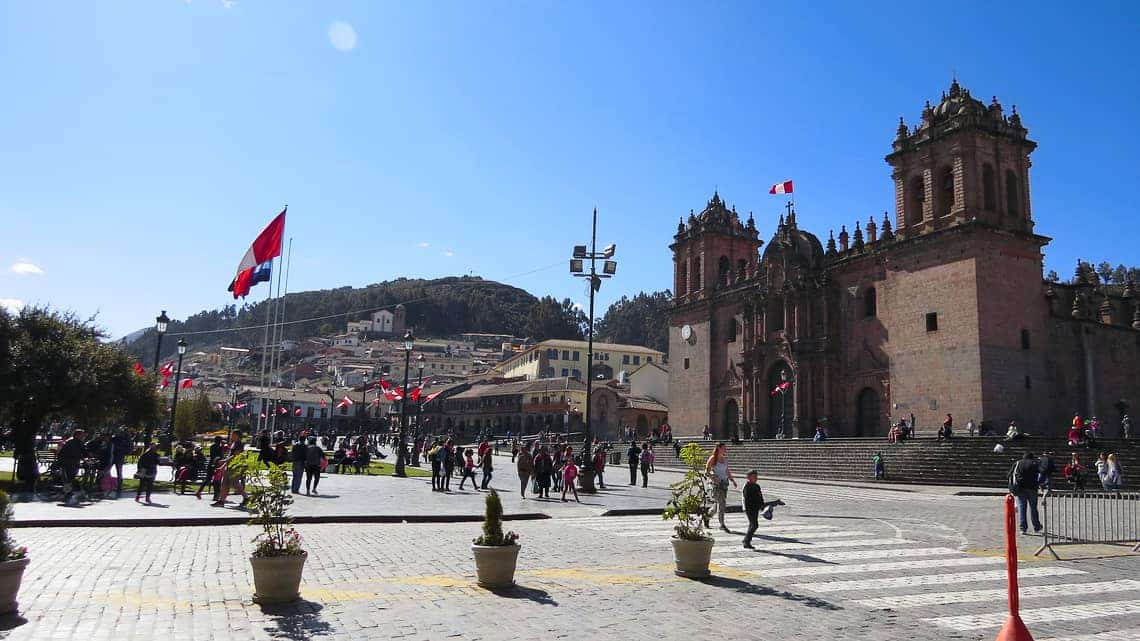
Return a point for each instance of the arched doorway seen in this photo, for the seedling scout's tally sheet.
(731, 419)
(642, 425)
(780, 408)
(867, 413)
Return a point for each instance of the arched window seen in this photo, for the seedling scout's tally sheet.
(724, 267)
(695, 276)
(741, 265)
(989, 189)
(946, 193)
(682, 277)
(915, 197)
(870, 303)
(733, 329)
(1012, 197)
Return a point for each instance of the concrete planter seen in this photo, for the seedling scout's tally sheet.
(692, 557)
(495, 564)
(277, 579)
(11, 573)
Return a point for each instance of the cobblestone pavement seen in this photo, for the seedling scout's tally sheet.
(837, 563)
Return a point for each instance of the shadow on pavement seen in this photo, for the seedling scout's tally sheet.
(745, 587)
(541, 597)
(11, 622)
(296, 621)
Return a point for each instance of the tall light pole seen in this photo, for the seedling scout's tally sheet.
(577, 268)
(174, 406)
(416, 433)
(161, 322)
(402, 447)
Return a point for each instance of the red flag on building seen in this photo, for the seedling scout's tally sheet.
(780, 389)
(282, 410)
(344, 402)
(187, 384)
(167, 370)
(240, 406)
(297, 412)
(265, 248)
(781, 188)
(324, 403)
(429, 397)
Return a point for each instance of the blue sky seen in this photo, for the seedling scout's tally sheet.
(144, 143)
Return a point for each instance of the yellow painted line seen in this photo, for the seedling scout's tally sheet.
(1023, 556)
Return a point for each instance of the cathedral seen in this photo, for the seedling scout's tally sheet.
(939, 309)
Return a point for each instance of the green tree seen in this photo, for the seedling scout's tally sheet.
(551, 319)
(195, 415)
(53, 365)
(642, 320)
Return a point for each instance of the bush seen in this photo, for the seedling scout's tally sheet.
(269, 498)
(690, 504)
(8, 550)
(493, 524)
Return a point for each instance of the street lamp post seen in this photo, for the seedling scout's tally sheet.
(577, 268)
(160, 324)
(166, 438)
(419, 430)
(402, 447)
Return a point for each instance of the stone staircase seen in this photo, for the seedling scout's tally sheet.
(965, 461)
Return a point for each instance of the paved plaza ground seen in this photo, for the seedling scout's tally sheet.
(839, 562)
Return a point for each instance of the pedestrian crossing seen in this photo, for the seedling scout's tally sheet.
(878, 569)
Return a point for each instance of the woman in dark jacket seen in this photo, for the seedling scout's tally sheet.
(543, 469)
(147, 470)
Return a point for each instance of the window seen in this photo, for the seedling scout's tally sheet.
(682, 277)
(932, 322)
(1028, 383)
(552, 354)
(732, 328)
(740, 268)
(637, 360)
(946, 199)
(625, 359)
(575, 355)
(1025, 339)
(565, 372)
(1012, 196)
(870, 303)
(577, 374)
(686, 363)
(695, 276)
(565, 354)
(989, 190)
(607, 357)
(648, 359)
(916, 196)
(723, 269)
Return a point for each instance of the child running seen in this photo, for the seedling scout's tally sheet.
(569, 475)
(754, 506)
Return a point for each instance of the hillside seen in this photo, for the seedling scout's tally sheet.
(440, 307)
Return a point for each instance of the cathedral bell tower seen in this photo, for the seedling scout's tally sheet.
(964, 162)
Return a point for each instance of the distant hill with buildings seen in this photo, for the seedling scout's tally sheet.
(440, 307)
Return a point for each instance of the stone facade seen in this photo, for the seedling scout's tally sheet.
(943, 310)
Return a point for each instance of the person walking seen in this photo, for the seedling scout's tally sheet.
(487, 464)
(543, 468)
(448, 461)
(314, 457)
(217, 451)
(633, 458)
(1046, 468)
(525, 466)
(717, 468)
(297, 456)
(436, 466)
(468, 469)
(753, 505)
(646, 463)
(147, 471)
(600, 466)
(1023, 483)
(569, 475)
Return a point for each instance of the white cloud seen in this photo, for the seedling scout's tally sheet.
(228, 4)
(425, 245)
(342, 36)
(25, 266)
(13, 305)
(449, 253)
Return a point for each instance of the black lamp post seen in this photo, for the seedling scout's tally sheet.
(577, 268)
(402, 446)
(166, 438)
(419, 431)
(160, 324)
(785, 377)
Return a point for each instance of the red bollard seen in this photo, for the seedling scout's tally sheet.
(1014, 629)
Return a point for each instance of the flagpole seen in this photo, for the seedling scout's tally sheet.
(280, 332)
(264, 348)
(271, 421)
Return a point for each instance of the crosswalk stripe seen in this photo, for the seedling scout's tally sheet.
(965, 623)
(983, 596)
(725, 539)
(1131, 634)
(812, 569)
(771, 530)
(835, 557)
(787, 547)
(931, 579)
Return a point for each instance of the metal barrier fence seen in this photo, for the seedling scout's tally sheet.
(1073, 517)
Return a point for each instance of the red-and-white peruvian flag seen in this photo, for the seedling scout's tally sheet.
(384, 385)
(344, 402)
(167, 370)
(265, 248)
(240, 406)
(324, 403)
(187, 384)
(393, 394)
(781, 188)
(780, 389)
(429, 397)
(282, 410)
(297, 412)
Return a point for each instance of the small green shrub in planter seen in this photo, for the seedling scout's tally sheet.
(691, 506)
(496, 553)
(278, 558)
(13, 560)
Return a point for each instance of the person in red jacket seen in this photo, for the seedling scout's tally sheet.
(600, 466)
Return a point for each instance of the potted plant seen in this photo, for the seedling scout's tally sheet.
(13, 560)
(690, 506)
(278, 558)
(495, 553)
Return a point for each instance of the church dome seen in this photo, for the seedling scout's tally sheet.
(959, 102)
(798, 246)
